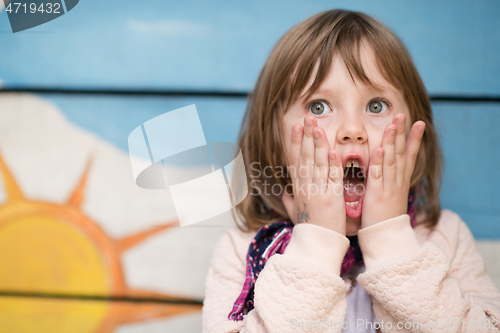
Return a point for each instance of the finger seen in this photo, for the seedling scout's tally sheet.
(320, 158)
(288, 203)
(335, 175)
(295, 148)
(413, 146)
(389, 165)
(400, 146)
(306, 162)
(375, 176)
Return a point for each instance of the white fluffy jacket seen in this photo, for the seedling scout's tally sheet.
(415, 275)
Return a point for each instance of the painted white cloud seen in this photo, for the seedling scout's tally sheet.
(168, 27)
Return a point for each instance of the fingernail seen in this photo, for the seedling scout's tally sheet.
(316, 135)
(296, 130)
(380, 153)
(308, 121)
(392, 131)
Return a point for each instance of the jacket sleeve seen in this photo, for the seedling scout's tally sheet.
(424, 287)
(297, 290)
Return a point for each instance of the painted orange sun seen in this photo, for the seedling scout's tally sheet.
(52, 249)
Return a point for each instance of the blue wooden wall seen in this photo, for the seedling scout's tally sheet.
(222, 45)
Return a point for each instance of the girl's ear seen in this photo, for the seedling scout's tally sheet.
(288, 203)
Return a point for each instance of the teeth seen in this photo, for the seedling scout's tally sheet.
(352, 163)
(353, 204)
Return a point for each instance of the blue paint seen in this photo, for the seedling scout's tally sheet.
(471, 144)
(113, 118)
(222, 45)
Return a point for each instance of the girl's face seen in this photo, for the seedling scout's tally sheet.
(353, 115)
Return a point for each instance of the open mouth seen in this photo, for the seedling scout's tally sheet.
(354, 187)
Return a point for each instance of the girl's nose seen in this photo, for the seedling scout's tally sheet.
(351, 130)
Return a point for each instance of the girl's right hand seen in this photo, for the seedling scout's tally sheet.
(317, 179)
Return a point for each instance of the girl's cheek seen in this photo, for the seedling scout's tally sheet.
(330, 130)
(324, 122)
(380, 121)
(375, 135)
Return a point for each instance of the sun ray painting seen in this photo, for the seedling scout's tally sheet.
(62, 273)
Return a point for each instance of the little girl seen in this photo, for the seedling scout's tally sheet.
(342, 230)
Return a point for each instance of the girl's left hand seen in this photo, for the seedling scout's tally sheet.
(390, 171)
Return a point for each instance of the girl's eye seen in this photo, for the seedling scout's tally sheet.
(319, 108)
(377, 106)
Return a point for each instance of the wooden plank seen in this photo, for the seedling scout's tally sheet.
(471, 144)
(223, 45)
(118, 115)
(46, 315)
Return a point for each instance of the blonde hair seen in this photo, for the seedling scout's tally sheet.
(289, 68)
